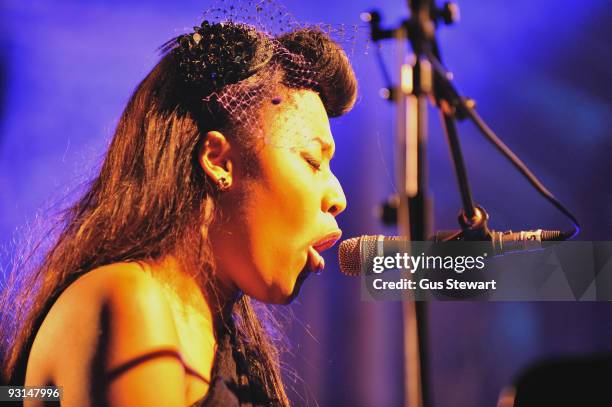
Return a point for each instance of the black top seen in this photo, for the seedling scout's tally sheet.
(231, 384)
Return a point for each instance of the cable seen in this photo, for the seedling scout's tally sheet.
(462, 110)
(521, 167)
(490, 135)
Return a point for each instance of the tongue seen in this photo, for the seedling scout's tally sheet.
(316, 264)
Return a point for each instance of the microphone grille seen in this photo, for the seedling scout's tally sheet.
(352, 251)
(349, 257)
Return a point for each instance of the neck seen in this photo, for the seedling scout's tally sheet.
(212, 301)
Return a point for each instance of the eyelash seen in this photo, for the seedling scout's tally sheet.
(313, 162)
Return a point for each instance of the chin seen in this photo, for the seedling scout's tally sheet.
(279, 288)
(284, 292)
(295, 289)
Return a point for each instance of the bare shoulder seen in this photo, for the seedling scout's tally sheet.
(111, 336)
(107, 296)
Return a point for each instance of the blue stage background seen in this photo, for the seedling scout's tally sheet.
(540, 74)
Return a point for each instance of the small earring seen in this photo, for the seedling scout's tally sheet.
(223, 184)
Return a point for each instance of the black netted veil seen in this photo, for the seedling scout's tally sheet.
(242, 51)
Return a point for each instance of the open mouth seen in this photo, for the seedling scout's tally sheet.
(315, 263)
(315, 260)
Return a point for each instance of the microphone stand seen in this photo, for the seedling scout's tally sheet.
(413, 215)
(413, 208)
(414, 205)
(423, 76)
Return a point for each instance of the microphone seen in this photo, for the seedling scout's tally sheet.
(352, 251)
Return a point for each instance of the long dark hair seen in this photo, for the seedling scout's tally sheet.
(151, 199)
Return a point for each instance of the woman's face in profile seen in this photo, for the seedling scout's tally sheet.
(289, 207)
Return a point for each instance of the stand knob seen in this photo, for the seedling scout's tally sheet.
(449, 13)
(387, 211)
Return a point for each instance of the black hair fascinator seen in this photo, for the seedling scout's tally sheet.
(240, 64)
(220, 54)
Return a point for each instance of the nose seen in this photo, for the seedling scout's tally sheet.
(334, 201)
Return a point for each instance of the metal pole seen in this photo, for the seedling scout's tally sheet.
(413, 211)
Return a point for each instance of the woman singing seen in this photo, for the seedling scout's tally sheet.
(216, 189)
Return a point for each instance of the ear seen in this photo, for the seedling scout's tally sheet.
(214, 158)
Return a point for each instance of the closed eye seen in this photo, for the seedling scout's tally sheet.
(313, 162)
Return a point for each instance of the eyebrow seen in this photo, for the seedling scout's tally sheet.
(326, 147)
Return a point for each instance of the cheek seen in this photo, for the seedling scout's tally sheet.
(282, 210)
(278, 219)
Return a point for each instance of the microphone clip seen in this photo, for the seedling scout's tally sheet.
(475, 228)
